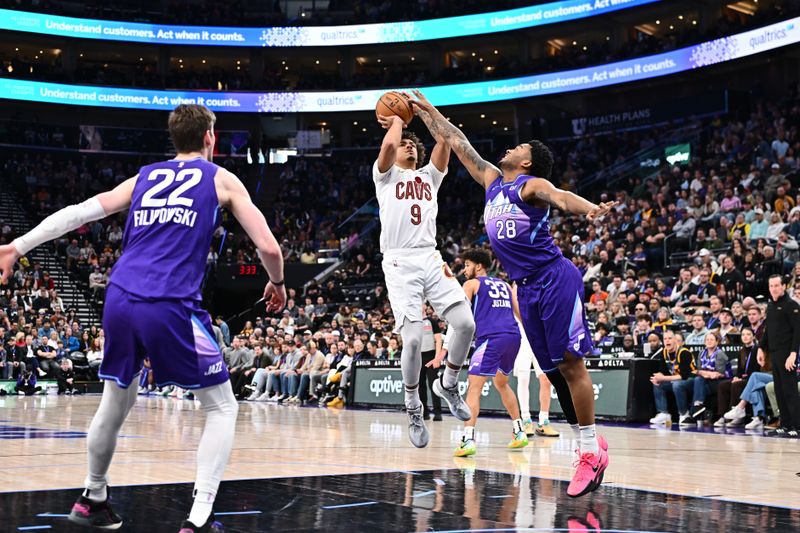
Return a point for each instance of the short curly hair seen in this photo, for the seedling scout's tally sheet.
(541, 160)
(420, 147)
(478, 256)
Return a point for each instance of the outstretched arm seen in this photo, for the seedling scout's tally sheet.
(443, 131)
(65, 220)
(545, 191)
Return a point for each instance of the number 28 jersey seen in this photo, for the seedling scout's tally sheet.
(408, 206)
(168, 232)
(518, 232)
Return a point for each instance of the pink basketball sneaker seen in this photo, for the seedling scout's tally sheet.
(590, 470)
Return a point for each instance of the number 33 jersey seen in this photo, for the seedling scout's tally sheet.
(408, 206)
(518, 232)
(168, 232)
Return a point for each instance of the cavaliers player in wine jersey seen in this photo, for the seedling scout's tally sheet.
(519, 196)
(153, 301)
(414, 269)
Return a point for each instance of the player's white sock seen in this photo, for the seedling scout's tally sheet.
(544, 416)
(588, 440)
(517, 424)
(412, 397)
(99, 494)
(469, 432)
(201, 508)
(576, 432)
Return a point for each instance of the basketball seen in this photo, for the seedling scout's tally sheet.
(394, 103)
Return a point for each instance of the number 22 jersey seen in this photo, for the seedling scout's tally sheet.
(518, 232)
(408, 205)
(168, 232)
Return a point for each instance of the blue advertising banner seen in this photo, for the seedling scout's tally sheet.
(704, 54)
(356, 34)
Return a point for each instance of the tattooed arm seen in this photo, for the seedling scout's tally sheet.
(444, 132)
(544, 191)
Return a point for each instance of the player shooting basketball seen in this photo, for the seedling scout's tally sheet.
(413, 268)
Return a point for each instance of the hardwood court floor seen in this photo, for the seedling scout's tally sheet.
(43, 448)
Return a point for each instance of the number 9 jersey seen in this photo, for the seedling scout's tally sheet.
(168, 232)
(408, 206)
(518, 232)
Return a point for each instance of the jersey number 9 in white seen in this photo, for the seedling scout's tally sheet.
(506, 229)
(149, 199)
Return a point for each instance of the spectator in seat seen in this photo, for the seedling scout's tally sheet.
(663, 319)
(776, 226)
(318, 379)
(66, 377)
(302, 323)
(759, 226)
(273, 372)
(238, 358)
(95, 356)
(335, 375)
(248, 371)
(644, 326)
(314, 363)
(27, 353)
(46, 355)
(14, 359)
(730, 394)
(86, 342)
(292, 363)
(726, 330)
(73, 253)
(247, 330)
(226, 331)
(97, 283)
(713, 367)
(677, 370)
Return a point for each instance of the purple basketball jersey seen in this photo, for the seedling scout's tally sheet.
(491, 306)
(167, 236)
(519, 232)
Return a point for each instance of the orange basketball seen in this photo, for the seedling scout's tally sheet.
(394, 103)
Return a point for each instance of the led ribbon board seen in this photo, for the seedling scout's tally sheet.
(708, 53)
(356, 34)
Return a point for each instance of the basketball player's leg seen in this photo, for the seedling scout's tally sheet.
(508, 347)
(568, 338)
(115, 405)
(221, 409)
(459, 318)
(179, 339)
(466, 446)
(411, 366)
(123, 359)
(543, 428)
(405, 283)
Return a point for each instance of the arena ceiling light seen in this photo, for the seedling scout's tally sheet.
(299, 36)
